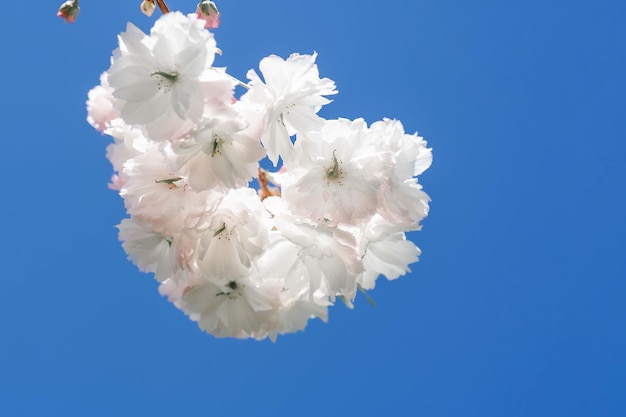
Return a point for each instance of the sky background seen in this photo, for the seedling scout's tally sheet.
(516, 308)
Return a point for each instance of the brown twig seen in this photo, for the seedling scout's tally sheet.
(162, 6)
(265, 190)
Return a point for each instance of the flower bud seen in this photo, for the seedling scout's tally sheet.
(207, 11)
(148, 7)
(69, 11)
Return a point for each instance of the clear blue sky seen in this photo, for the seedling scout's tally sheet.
(515, 309)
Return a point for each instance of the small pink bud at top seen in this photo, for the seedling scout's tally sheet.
(148, 7)
(69, 11)
(207, 11)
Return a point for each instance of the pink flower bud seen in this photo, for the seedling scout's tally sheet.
(69, 11)
(207, 11)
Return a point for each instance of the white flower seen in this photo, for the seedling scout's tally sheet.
(336, 174)
(292, 95)
(402, 200)
(297, 308)
(314, 256)
(298, 303)
(385, 250)
(412, 157)
(220, 153)
(100, 108)
(239, 307)
(128, 143)
(234, 235)
(151, 252)
(159, 78)
(404, 203)
(160, 196)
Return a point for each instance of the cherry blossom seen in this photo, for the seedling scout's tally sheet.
(159, 78)
(291, 96)
(243, 251)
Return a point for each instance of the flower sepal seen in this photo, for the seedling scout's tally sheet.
(207, 11)
(69, 11)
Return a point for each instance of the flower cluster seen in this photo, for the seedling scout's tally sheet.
(244, 262)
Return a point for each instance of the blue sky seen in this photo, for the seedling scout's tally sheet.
(516, 307)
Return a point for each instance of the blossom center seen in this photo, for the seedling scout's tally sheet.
(169, 182)
(220, 230)
(165, 80)
(334, 172)
(232, 291)
(217, 145)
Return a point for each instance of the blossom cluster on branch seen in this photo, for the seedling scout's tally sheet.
(243, 251)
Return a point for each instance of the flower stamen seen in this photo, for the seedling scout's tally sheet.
(169, 77)
(235, 290)
(217, 145)
(166, 79)
(170, 182)
(220, 230)
(334, 171)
